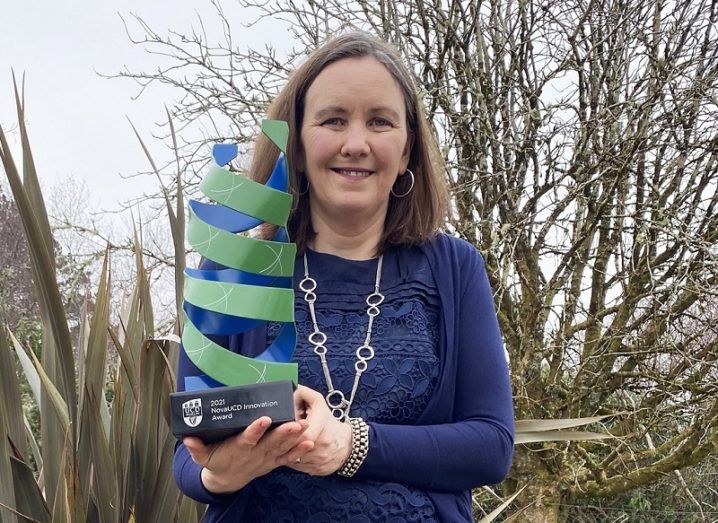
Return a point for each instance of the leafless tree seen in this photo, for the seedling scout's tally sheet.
(17, 300)
(581, 141)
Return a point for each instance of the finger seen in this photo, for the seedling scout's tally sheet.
(286, 430)
(256, 430)
(309, 397)
(197, 450)
(317, 419)
(300, 406)
(301, 389)
(306, 399)
(300, 411)
(284, 437)
(298, 455)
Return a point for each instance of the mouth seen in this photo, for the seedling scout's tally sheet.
(353, 172)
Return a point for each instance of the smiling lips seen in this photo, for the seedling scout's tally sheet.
(353, 172)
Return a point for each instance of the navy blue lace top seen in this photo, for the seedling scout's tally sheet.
(395, 388)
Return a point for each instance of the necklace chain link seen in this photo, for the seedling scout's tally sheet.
(337, 401)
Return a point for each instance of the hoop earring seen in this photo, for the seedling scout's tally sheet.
(411, 186)
(299, 185)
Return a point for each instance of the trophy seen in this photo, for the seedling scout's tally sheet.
(251, 284)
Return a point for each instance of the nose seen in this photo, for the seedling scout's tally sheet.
(355, 141)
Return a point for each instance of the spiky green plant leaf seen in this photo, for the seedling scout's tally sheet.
(94, 450)
(10, 404)
(104, 477)
(33, 214)
(35, 449)
(28, 497)
(491, 516)
(61, 512)
(9, 430)
(56, 399)
(541, 430)
(558, 435)
(28, 369)
(538, 425)
(176, 220)
(153, 386)
(57, 353)
(127, 362)
(177, 226)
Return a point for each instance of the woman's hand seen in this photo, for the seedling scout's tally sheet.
(332, 438)
(230, 464)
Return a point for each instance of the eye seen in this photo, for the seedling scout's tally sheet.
(332, 122)
(381, 122)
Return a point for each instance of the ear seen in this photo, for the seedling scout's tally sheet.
(406, 154)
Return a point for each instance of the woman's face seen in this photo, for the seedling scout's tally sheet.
(354, 139)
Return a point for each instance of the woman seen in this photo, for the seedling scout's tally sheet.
(420, 375)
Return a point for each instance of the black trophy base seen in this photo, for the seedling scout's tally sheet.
(218, 413)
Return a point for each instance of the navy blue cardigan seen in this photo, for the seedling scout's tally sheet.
(464, 438)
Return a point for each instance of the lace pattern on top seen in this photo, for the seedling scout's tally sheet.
(395, 388)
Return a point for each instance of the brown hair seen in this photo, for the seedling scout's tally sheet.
(409, 220)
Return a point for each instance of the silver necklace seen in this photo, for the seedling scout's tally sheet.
(337, 401)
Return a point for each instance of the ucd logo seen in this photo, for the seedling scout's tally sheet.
(192, 412)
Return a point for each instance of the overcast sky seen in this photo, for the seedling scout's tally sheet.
(77, 120)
